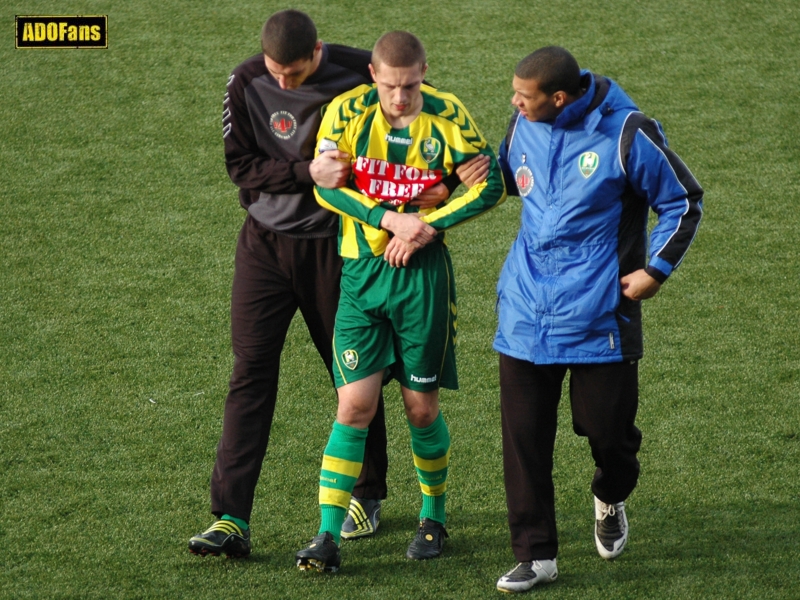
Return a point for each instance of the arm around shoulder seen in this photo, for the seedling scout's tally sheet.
(478, 199)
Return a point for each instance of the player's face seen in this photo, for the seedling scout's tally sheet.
(399, 90)
(533, 103)
(292, 76)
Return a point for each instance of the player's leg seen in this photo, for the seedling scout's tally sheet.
(362, 349)
(262, 306)
(317, 282)
(341, 464)
(424, 315)
(344, 454)
(424, 319)
(529, 397)
(605, 399)
(430, 448)
(364, 513)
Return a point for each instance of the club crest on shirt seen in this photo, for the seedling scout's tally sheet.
(350, 359)
(587, 163)
(430, 148)
(524, 178)
(283, 124)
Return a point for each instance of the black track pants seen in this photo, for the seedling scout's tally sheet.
(604, 400)
(275, 276)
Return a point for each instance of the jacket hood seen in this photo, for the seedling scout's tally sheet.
(602, 98)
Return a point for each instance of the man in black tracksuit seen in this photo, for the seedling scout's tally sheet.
(286, 258)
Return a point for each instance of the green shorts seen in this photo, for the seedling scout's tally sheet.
(403, 318)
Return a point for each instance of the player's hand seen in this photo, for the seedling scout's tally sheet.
(330, 169)
(409, 228)
(639, 285)
(398, 252)
(474, 171)
(431, 197)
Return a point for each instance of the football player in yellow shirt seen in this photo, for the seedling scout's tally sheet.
(397, 309)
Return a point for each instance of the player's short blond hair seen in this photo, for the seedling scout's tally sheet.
(398, 49)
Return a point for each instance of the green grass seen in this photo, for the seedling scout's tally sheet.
(116, 253)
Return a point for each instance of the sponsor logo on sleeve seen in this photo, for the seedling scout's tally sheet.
(62, 31)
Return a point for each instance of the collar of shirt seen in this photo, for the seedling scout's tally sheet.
(320, 67)
(576, 111)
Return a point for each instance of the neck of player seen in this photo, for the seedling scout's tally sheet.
(400, 118)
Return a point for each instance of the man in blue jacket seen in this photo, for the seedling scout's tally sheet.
(587, 166)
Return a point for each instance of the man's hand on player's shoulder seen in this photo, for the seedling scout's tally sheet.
(330, 169)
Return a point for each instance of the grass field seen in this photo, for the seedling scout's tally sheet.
(116, 252)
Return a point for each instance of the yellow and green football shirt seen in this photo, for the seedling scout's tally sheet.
(392, 166)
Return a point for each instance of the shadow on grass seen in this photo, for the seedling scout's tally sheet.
(726, 550)
(697, 551)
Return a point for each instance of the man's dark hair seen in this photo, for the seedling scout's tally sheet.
(288, 36)
(554, 68)
(398, 49)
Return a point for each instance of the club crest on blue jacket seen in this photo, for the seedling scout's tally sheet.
(588, 163)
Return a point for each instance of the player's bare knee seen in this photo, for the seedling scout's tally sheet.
(356, 414)
(422, 415)
(422, 408)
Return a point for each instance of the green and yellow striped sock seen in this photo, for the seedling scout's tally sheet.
(431, 448)
(240, 522)
(341, 465)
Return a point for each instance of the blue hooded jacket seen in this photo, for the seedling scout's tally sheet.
(586, 181)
